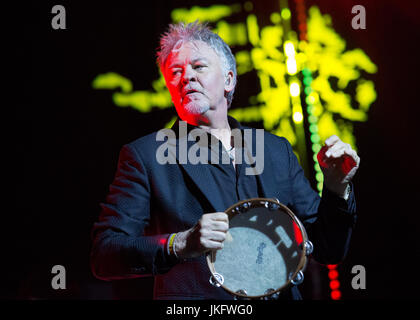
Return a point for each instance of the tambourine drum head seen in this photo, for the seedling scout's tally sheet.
(262, 251)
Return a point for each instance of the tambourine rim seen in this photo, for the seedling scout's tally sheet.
(302, 263)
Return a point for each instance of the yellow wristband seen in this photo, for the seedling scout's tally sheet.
(171, 250)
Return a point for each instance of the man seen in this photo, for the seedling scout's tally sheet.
(161, 219)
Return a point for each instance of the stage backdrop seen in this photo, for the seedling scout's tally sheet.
(305, 72)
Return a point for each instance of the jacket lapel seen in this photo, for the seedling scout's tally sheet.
(199, 173)
(265, 178)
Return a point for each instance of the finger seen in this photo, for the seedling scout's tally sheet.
(341, 149)
(207, 226)
(210, 226)
(331, 140)
(209, 218)
(217, 236)
(335, 151)
(221, 226)
(344, 157)
(213, 245)
(219, 216)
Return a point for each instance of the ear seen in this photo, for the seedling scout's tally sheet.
(229, 81)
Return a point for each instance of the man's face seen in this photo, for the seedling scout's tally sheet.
(195, 79)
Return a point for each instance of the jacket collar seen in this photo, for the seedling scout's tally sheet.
(200, 174)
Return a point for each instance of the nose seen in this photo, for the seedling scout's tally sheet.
(189, 75)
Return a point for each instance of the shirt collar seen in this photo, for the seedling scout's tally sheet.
(233, 123)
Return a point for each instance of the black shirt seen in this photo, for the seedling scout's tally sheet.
(233, 183)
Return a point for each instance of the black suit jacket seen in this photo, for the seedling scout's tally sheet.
(148, 201)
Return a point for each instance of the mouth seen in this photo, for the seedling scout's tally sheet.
(190, 91)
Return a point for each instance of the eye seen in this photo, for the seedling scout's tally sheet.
(199, 66)
(176, 72)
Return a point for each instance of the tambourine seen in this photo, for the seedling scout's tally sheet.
(265, 250)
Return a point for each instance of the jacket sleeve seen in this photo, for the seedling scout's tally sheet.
(329, 220)
(120, 249)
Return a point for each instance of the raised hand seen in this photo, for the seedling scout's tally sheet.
(339, 163)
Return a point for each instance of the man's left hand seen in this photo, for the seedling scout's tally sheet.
(339, 163)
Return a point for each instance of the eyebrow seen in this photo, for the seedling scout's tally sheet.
(193, 61)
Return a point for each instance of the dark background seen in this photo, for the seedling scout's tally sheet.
(69, 136)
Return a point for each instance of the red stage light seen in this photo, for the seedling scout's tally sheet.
(333, 274)
(334, 284)
(335, 294)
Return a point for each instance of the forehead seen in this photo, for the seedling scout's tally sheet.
(185, 52)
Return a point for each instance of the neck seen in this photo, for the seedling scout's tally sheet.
(214, 118)
(216, 123)
(224, 134)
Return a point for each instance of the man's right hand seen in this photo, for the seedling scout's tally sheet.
(208, 234)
